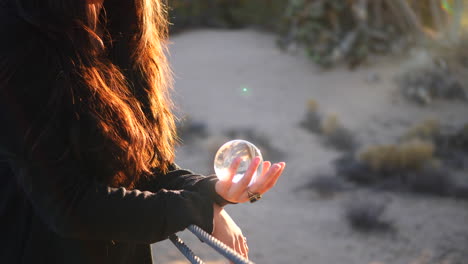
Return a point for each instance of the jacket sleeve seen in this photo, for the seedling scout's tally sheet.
(62, 193)
(75, 207)
(182, 179)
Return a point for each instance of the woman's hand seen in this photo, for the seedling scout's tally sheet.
(228, 232)
(239, 192)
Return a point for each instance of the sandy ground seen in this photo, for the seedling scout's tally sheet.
(288, 226)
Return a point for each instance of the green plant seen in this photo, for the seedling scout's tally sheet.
(335, 31)
(225, 13)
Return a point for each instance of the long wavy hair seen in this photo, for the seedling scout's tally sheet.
(114, 75)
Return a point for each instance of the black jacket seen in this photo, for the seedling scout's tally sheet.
(56, 212)
(60, 218)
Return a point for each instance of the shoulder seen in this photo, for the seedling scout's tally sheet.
(26, 59)
(30, 86)
(16, 32)
(28, 68)
(21, 44)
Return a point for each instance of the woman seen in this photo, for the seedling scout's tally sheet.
(87, 138)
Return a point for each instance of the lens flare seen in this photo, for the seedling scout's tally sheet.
(447, 6)
(244, 91)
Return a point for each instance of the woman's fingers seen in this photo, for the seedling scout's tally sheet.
(250, 172)
(244, 247)
(241, 186)
(269, 179)
(233, 168)
(241, 246)
(238, 248)
(234, 191)
(237, 192)
(223, 186)
(266, 167)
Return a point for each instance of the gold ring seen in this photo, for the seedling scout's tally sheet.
(253, 197)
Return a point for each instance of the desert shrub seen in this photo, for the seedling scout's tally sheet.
(462, 137)
(264, 13)
(410, 155)
(426, 130)
(426, 160)
(408, 166)
(451, 143)
(423, 86)
(354, 170)
(334, 133)
(442, 76)
(330, 31)
(330, 124)
(334, 31)
(430, 179)
(224, 13)
(452, 147)
(188, 13)
(457, 138)
(436, 181)
(460, 191)
(326, 185)
(367, 215)
(312, 119)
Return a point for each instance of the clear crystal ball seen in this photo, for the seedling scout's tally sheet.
(228, 152)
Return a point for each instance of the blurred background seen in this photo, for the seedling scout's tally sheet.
(366, 101)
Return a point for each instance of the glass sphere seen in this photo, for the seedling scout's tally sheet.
(231, 150)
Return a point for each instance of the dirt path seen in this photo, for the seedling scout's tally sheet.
(288, 226)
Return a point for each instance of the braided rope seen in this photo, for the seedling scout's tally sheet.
(185, 250)
(214, 243)
(219, 246)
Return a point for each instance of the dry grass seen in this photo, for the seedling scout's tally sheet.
(334, 133)
(313, 119)
(409, 155)
(427, 129)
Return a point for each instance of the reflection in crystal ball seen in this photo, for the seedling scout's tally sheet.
(228, 152)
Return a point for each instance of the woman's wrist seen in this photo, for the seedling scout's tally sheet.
(217, 208)
(218, 199)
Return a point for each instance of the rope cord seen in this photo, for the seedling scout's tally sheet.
(219, 246)
(214, 243)
(185, 250)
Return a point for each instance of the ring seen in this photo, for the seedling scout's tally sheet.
(253, 197)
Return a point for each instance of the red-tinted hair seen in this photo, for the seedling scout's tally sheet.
(116, 76)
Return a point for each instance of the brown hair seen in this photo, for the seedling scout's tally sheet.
(114, 68)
